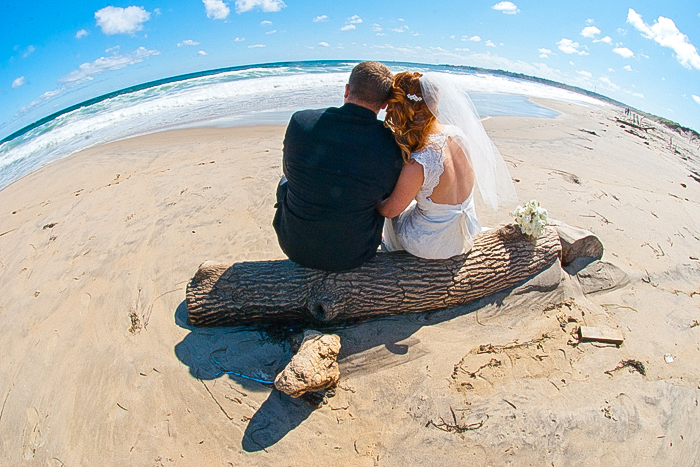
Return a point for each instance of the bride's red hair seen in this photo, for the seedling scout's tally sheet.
(409, 119)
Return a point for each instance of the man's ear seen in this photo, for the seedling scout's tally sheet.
(347, 91)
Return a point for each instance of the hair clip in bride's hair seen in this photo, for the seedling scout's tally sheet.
(414, 98)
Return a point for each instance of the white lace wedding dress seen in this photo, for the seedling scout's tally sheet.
(427, 229)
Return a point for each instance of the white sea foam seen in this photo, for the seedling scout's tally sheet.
(255, 95)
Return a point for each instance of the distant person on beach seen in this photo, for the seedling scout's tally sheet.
(338, 163)
(446, 153)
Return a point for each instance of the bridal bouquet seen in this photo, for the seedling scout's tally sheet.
(531, 218)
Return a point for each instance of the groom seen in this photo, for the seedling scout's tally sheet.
(338, 163)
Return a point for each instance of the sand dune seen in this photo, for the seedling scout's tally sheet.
(101, 368)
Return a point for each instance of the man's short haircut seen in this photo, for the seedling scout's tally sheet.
(371, 83)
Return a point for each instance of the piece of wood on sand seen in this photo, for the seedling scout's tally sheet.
(596, 334)
(265, 292)
(576, 243)
(313, 368)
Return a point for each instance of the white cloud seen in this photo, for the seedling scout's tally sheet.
(623, 52)
(590, 21)
(666, 34)
(584, 73)
(622, 31)
(611, 70)
(627, 68)
(265, 23)
(489, 43)
(458, 49)
(638, 94)
(19, 82)
(348, 27)
(544, 53)
(475, 39)
(256, 46)
(320, 19)
(271, 32)
(570, 47)
(116, 20)
(268, 6)
(609, 84)
(216, 9)
(354, 19)
(508, 8)
(590, 31)
(112, 49)
(696, 98)
(606, 39)
(201, 52)
(81, 33)
(43, 98)
(323, 44)
(401, 29)
(88, 70)
(187, 42)
(376, 28)
(29, 51)
(239, 39)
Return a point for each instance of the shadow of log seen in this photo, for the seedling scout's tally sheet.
(261, 352)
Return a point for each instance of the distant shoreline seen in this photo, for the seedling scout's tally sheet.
(324, 63)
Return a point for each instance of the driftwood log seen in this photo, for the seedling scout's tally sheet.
(264, 292)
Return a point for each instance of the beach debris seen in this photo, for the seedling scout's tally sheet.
(668, 358)
(596, 334)
(695, 323)
(263, 292)
(50, 226)
(313, 368)
(633, 365)
(576, 242)
(456, 427)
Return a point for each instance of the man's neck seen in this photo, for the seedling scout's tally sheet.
(373, 108)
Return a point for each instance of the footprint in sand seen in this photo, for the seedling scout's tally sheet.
(32, 436)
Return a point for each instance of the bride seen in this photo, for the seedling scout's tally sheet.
(446, 152)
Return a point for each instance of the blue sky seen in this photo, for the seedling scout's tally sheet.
(58, 53)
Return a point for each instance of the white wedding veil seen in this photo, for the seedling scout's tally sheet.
(451, 105)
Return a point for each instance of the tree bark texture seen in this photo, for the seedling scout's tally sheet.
(264, 292)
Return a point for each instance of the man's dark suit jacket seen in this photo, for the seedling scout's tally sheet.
(339, 163)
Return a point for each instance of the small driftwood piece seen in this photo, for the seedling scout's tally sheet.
(313, 368)
(594, 334)
(577, 243)
(264, 292)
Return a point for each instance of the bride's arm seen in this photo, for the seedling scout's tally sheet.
(406, 189)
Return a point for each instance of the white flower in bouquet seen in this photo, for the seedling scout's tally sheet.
(531, 217)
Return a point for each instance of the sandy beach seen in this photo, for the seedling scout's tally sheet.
(100, 366)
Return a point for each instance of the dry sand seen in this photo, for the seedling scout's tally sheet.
(99, 365)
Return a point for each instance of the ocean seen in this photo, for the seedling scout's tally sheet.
(265, 94)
